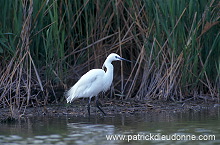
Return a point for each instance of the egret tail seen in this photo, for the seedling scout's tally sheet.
(71, 95)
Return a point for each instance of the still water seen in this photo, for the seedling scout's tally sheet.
(133, 129)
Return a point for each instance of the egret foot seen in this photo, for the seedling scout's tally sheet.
(98, 105)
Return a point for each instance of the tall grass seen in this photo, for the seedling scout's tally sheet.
(45, 46)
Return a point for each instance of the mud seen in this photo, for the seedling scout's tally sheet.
(111, 107)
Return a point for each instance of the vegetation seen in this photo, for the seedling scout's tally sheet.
(46, 45)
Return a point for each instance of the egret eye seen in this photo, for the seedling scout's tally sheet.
(116, 57)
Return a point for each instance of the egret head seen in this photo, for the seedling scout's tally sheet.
(113, 57)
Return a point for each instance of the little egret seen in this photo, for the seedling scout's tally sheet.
(94, 82)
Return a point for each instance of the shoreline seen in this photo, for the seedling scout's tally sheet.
(111, 108)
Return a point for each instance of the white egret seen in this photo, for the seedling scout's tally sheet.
(94, 82)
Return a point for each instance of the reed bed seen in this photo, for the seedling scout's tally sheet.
(45, 46)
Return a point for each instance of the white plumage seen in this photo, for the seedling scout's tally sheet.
(94, 82)
(85, 86)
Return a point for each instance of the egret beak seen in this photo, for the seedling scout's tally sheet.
(124, 59)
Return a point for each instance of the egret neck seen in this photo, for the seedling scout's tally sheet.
(108, 77)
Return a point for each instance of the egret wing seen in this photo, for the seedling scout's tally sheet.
(87, 86)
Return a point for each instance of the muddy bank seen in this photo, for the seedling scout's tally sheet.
(111, 107)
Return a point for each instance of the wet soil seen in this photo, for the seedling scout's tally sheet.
(110, 107)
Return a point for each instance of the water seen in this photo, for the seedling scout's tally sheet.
(136, 129)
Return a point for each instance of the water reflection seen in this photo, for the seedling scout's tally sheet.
(89, 133)
(81, 130)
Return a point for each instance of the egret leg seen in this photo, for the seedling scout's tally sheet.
(88, 107)
(98, 104)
